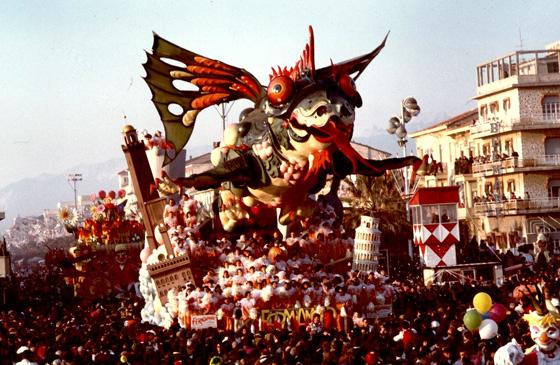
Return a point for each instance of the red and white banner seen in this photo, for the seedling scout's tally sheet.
(204, 321)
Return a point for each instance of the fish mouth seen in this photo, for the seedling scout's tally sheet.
(336, 133)
(332, 131)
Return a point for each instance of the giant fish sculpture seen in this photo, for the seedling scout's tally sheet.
(282, 149)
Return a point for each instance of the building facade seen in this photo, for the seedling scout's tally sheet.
(505, 154)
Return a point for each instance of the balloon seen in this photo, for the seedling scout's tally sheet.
(488, 329)
(482, 302)
(498, 312)
(157, 235)
(472, 319)
(112, 194)
(102, 194)
(145, 253)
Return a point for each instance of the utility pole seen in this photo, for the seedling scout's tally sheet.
(73, 180)
(224, 113)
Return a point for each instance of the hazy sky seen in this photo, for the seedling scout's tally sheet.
(70, 70)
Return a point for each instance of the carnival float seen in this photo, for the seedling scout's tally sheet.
(104, 258)
(276, 254)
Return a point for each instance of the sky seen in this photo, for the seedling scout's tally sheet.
(71, 70)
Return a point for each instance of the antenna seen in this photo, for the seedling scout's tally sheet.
(520, 45)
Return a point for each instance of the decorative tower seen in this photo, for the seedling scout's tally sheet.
(366, 245)
(170, 272)
(149, 203)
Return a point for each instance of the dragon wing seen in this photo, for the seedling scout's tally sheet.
(169, 66)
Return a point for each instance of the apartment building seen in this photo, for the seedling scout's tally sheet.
(505, 154)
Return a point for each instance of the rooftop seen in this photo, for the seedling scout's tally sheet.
(465, 119)
(519, 69)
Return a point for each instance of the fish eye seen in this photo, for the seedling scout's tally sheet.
(280, 90)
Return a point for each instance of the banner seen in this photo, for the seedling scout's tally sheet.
(204, 321)
(300, 315)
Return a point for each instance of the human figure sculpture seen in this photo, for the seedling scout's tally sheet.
(545, 333)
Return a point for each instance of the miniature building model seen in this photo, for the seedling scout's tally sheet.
(142, 178)
(170, 271)
(169, 274)
(366, 245)
(434, 224)
(505, 154)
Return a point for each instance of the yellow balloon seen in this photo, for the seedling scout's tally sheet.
(482, 302)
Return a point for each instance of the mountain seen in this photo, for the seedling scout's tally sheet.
(31, 196)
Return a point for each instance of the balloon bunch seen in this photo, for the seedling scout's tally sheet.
(485, 316)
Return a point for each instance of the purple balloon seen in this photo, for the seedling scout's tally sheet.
(498, 312)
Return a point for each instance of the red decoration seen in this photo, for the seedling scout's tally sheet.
(280, 90)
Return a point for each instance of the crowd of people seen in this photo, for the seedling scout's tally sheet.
(48, 325)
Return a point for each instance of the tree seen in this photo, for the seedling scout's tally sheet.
(377, 197)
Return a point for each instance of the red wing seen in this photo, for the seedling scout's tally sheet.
(170, 65)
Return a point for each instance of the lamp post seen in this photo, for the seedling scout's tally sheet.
(409, 109)
(73, 179)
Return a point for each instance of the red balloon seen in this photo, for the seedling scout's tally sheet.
(498, 312)
(122, 193)
(112, 194)
(102, 194)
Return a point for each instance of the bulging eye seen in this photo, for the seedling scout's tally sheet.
(346, 83)
(280, 90)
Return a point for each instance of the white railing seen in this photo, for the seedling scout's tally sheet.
(550, 117)
(496, 167)
(516, 206)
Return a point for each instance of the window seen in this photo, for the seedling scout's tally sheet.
(448, 213)
(494, 107)
(508, 146)
(486, 149)
(554, 188)
(511, 186)
(552, 146)
(484, 111)
(430, 214)
(552, 67)
(506, 104)
(551, 107)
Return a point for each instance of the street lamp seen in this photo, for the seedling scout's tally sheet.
(409, 109)
(73, 179)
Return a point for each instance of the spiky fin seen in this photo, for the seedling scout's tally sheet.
(305, 63)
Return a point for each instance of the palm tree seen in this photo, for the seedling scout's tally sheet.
(377, 197)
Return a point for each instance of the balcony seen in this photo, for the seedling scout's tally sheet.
(527, 122)
(538, 67)
(436, 173)
(515, 164)
(517, 207)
